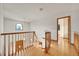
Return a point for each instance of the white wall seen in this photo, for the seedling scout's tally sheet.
(49, 23)
(44, 25)
(10, 25)
(1, 18)
(1, 25)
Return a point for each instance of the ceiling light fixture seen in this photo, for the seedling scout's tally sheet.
(41, 9)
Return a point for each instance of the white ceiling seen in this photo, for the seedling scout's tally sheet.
(31, 12)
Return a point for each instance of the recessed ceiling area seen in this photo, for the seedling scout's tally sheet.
(31, 12)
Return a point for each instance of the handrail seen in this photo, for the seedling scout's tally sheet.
(17, 33)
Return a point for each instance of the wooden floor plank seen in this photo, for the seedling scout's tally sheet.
(53, 51)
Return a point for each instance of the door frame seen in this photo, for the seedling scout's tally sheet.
(69, 27)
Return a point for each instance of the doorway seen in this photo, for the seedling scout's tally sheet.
(64, 31)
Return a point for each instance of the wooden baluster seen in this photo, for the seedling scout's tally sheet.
(8, 45)
(15, 45)
(4, 45)
(26, 49)
(12, 45)
(33, 36)
(18, 47)
(22, 48)
(20, 38)
(24, 44)
(28, 44)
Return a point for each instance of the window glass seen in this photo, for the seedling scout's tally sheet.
(18, 27)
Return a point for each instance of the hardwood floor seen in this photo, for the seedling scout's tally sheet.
(55, 50)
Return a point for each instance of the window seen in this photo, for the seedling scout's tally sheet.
(18, 27)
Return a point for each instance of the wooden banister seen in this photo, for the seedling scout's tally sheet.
(17, 33)
(17, 38)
